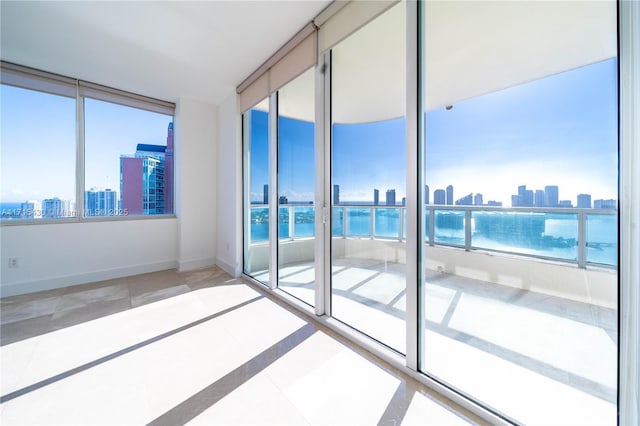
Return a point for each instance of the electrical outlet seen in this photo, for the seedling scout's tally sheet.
(13, 262)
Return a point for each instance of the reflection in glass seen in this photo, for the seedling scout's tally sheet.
(510, 168)
(552, 235)
(602, 238)
(256, 191)
(387, 223)
(368, 174)
(358, 222)
(337, 222)
(449, 227)
(296, 186)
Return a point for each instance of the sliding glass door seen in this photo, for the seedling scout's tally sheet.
(499, 277)
(368, 179)
(256, 191)
(296, 180)
(519, 300)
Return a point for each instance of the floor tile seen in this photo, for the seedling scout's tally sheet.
(131, 350)
(20, 330)
(88, 312)
(145, 283)
(80, 298)
(22, 310)
(159, 294)
(268, 407)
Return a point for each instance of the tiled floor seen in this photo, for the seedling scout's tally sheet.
(197, 347)
(564, 353)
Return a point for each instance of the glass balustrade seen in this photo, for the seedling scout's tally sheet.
(449, 227)
(602, 239)
(542, 233)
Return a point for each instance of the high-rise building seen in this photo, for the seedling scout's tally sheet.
(391, 197)
(524, 197)
(265, 194)
(30, 209)
(336, 195)
(55, 207)
(477, 200)
(439, 196)
(168, 172)
(376, 197)
(605, 204)
(426, 194)
(146, 182)
(100, 202)
(283, 200)
(538, 198)
(467, 200)
(551, 196)
(404, 201)
(142, 180)
(450, 195)
(584, 201)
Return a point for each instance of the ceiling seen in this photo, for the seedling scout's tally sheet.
(199, 50)
(203, 50)
(471, 48)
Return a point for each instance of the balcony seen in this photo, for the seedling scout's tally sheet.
(512, 296)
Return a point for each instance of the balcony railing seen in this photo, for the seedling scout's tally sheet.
(575, 235)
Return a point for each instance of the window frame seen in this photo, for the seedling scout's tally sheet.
(19, 76)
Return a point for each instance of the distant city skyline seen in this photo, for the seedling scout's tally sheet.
(547, 197)
(145, 187)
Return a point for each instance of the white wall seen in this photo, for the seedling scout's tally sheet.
(229, 168)
(60, 255)
(196, 184)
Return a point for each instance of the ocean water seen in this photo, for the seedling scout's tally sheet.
(10, 211)
(549, 235)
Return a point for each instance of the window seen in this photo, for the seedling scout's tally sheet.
(38, 155)
(127, 144)
(128, 160)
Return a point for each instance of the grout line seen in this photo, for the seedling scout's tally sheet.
(195, 405)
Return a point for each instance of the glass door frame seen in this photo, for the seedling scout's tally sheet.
(628, 308)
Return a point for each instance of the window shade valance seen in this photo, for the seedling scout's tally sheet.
(335, 23)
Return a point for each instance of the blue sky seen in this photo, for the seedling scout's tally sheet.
(112, 130)
(39, 143)
(560, 130)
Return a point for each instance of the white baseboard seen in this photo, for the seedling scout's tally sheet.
(232, 270)
(70, 280)
(189, 265)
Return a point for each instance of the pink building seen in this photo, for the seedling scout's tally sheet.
(146, 179)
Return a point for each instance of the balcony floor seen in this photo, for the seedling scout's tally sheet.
(476, 332)
(195, 347)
